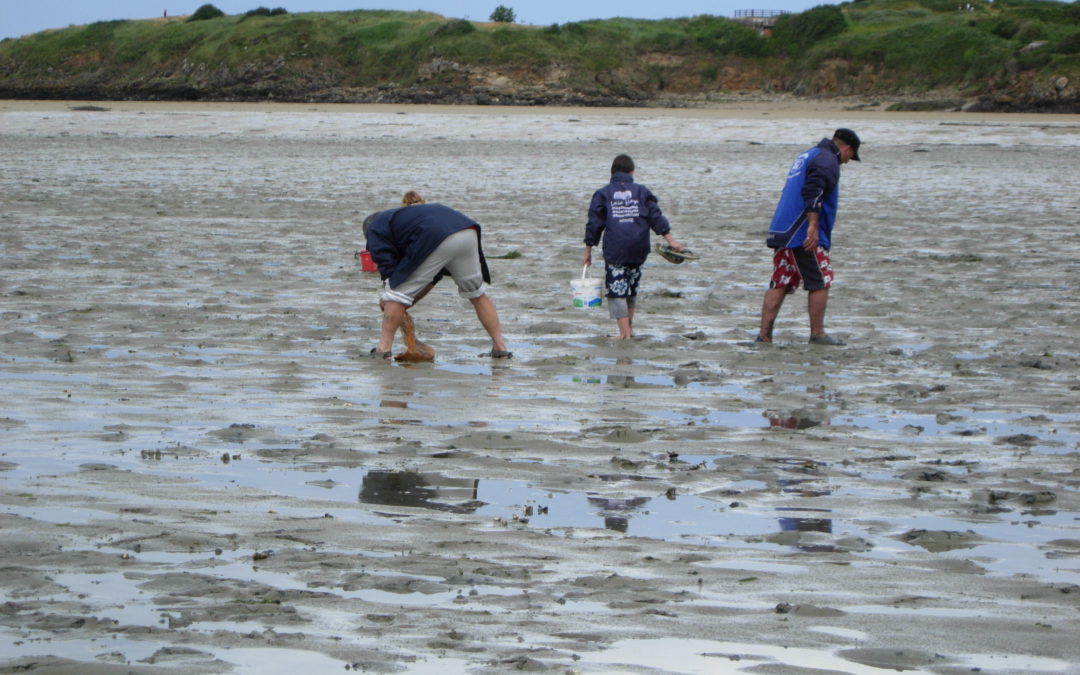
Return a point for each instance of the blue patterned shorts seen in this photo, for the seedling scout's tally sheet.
(622, 281)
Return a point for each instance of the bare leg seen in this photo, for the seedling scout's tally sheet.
(625, 331)
(393, 315)
(770, 308)
(815, 305)
(489, 319)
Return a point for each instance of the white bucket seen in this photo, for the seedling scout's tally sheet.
(586, 290)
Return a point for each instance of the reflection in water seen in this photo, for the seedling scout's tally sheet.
(668, 517)
(806, 525)
(795, 420)
(794, 486)
(425, 490)
(809, 525)
(397, 390)
(614, 510)
(621, 381)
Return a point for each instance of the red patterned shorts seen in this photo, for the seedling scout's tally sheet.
(794, 266)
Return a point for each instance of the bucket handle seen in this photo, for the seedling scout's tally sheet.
(584, 271)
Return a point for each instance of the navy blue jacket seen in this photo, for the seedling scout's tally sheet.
(813, 183)
(622, 212)
(401, 239)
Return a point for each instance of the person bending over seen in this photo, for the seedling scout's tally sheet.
(414, 247)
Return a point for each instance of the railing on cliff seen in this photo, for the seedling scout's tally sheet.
(759, 13)
(761, 19)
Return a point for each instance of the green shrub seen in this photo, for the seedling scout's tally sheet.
(1070, 44)
(1003, 26)
(717, 35)
(669, 41)
(455, 27)
(503, 14)
(265, 11)
(942, 6)
(795, 33)
(1030, 31)
(924, 54)
(658, 75)
(205, 12)
(884, 17)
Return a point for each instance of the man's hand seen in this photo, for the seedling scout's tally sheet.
(674, 244)
(587, 260)
(811, 242)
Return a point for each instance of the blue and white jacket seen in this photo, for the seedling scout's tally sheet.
(622, 212)
(813, 183)
(401, 239)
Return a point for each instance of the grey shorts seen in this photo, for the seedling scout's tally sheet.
(459, 255)
(619, 308)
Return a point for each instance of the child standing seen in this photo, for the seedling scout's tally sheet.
(622, 213)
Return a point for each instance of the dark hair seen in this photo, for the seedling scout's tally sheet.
(622, 164)
(367, 223)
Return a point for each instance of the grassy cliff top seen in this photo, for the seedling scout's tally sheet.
(1016, 46)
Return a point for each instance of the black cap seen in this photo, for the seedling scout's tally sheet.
(851, 138)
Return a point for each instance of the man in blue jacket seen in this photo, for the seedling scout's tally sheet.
(801, 233)
(622, 213)
(416, 246)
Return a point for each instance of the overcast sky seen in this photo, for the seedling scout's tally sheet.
(21, 17)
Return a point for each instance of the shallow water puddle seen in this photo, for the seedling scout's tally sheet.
(1006, 547)
(1018, 542)
(746, 419)
(119, 598)
(60, 515)
(114, 649)
(1048, 433)
(114, 591)
(707, 657)
(119, 650)
(627, 381)
(259, 661)
(656, 517)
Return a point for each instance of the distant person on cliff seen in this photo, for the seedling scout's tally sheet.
(801, 233)
(621, 214)
(414, 247)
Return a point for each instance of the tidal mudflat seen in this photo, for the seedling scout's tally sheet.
(201, 473)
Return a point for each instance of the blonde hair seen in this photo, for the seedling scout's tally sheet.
(411, 197)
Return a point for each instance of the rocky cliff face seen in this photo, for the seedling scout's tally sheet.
(655, 80)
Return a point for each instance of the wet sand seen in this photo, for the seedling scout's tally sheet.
(202, 473)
